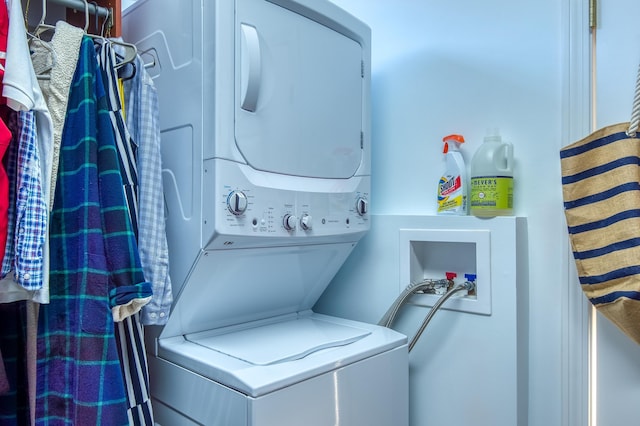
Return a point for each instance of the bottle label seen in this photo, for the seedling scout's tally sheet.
(450, 195)
(491, 192)
(449, 185)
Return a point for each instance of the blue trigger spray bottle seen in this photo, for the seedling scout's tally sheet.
(452, 186)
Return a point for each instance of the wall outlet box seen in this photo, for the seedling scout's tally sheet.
(431, 253)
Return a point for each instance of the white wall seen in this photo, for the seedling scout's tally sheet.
(462, 67)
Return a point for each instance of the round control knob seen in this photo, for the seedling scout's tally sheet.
(289, 222)
(237, 202)
(362, 206)
(305, 222)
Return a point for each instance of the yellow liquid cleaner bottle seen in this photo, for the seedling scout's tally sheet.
(452, 186)
(492, 178)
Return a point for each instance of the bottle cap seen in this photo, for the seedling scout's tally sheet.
(453, 138)
(456, 138)
(493, 134)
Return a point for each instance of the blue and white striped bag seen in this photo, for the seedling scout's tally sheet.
(601, 191)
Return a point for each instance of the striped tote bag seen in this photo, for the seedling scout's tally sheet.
(601, 193)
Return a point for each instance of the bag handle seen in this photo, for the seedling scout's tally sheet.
(635, 111)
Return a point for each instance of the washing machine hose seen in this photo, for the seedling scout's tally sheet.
(389, 317)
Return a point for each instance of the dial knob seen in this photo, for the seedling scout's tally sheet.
(237, 202)
(362, 206)
(289, 222)
(305, 222)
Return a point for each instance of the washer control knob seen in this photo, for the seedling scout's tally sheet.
(289, 222)
(362, 206)
(305, 222)
(237, 202)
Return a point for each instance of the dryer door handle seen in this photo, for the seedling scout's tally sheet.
(250, 67)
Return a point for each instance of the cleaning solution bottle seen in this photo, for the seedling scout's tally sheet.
(492, 177)
(452, 187)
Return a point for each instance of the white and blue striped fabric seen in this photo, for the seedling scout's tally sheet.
(128, 332)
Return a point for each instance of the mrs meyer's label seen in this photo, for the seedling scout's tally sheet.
(492, 193)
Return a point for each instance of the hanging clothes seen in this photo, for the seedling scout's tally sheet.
(13, 321)
(28, 212)
(25, 273)
(25, 264)
(128, 332)
(95, 270)
(65, 46)
(141, 103)
(62, 163)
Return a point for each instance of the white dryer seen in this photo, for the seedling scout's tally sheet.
(265, 116)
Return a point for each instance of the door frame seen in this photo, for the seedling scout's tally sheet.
(577, 313)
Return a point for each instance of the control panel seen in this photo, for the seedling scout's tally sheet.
(284, 208)
(335, 213)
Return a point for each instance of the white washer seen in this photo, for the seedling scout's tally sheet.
(265, 117)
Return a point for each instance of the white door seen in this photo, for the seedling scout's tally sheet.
(617, 358)
(299, 98)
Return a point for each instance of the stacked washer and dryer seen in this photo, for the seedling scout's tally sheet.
(265, 124)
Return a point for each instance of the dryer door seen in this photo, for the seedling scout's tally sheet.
(299, 91)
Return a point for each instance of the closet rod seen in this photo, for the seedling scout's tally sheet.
(79, 5)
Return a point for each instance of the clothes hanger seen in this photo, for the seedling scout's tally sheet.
(130, 53)
(130, 50)
(86, 16)
(42, 27)
(107, 24)
(122, 74)
(150, 64)
(36, 42)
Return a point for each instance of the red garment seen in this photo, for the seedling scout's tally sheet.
(5, 134)
(5, 139)
(4, 32)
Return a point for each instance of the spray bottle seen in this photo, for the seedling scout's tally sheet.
(492, 177)
(452, 186)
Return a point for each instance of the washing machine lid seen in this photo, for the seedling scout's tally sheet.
(299, 95)
(233, 287)
(283, 341)
(273, 358)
